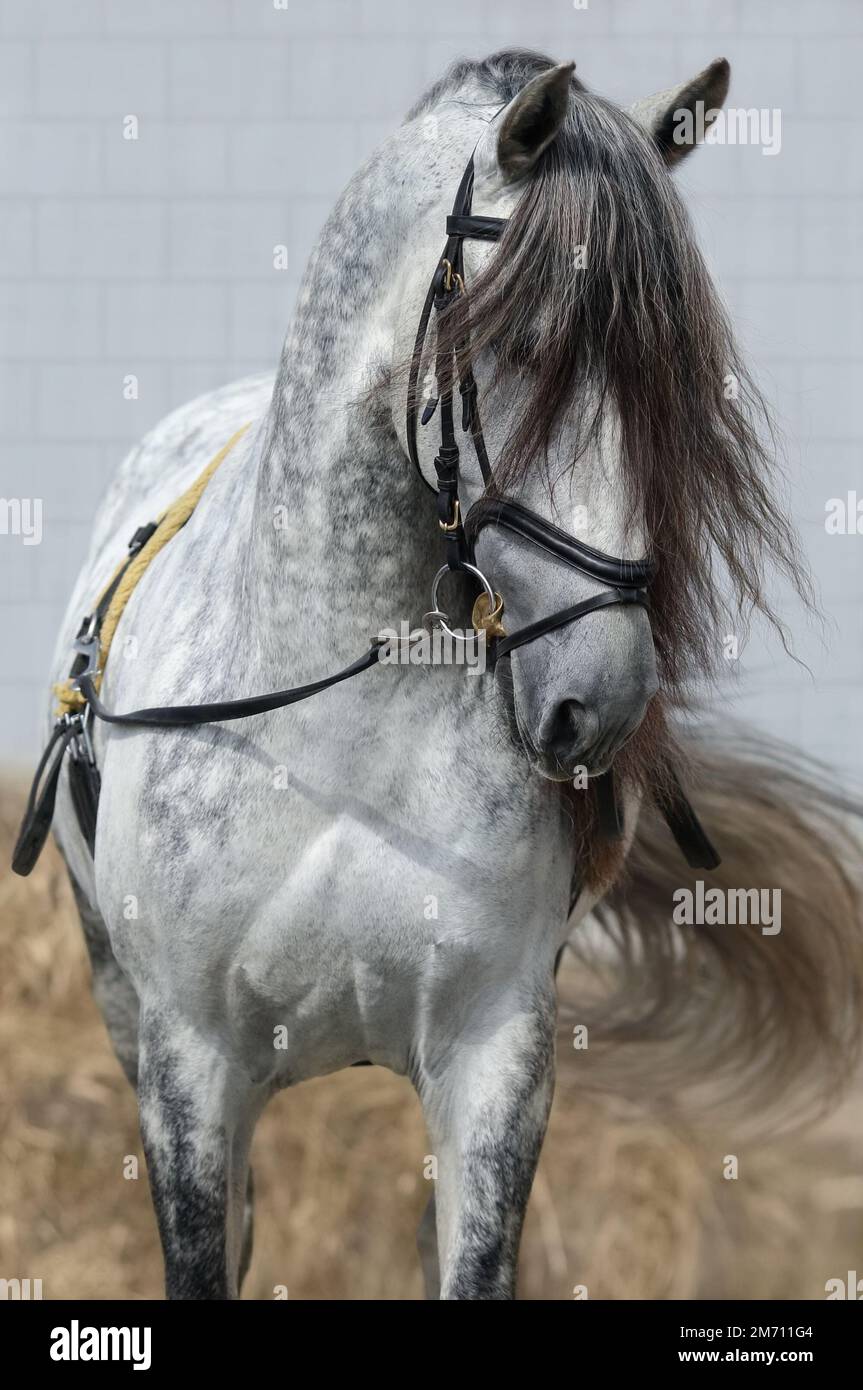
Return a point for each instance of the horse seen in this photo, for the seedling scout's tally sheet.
(388, 873)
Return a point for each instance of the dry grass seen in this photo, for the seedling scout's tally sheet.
(626, 1203)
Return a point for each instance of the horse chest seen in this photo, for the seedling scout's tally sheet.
(344, 915)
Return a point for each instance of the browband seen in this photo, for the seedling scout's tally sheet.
(477, 228)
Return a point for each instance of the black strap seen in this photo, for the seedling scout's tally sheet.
(675, 808)
(477, 228)
(460, 224)
(568, 615)
(695, 845)
(40, 803)
(85, 788)
(85, 782)
(413, 384)
(608, 807)
(181, 716)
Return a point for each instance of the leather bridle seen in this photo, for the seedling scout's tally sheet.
(626, 580)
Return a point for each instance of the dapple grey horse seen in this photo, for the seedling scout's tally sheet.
(387, 872)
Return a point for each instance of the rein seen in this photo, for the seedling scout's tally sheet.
(627, 582)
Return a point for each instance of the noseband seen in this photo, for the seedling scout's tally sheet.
(626, 580)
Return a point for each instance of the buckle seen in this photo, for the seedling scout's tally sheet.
(141, 536)
(78, 725)
(88, 647)
(451, 278)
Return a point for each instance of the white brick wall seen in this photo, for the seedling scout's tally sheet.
(155, 256)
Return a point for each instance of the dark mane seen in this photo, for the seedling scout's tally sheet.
(639, 338)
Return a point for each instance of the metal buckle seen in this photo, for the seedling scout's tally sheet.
(88, 646)
(456, 520)
(79, 724)
(450, 276)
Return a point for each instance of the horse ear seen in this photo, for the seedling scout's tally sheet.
(671, 118)
(531, 121)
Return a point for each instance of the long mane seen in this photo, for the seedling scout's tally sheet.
(636, 338)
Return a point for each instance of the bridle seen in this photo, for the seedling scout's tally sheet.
(627, 580)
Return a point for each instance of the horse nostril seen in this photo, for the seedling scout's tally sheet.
(566, 727)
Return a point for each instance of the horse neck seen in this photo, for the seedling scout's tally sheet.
(340, 520)
(342, 525)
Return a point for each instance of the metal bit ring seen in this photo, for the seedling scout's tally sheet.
(440, 618)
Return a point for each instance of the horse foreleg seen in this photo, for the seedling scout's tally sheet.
(197, 1113)
(113, 992)
(487, 1114)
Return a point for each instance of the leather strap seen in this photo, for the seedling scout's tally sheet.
(477, 228)
(40, 803)
(504, 645)
(413, 383)
(675, 808)
(181, 716)
(608, 807)
(85, 787)
(692, 839)
(460, 224)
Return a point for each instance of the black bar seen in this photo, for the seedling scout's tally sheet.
(612, 1336)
